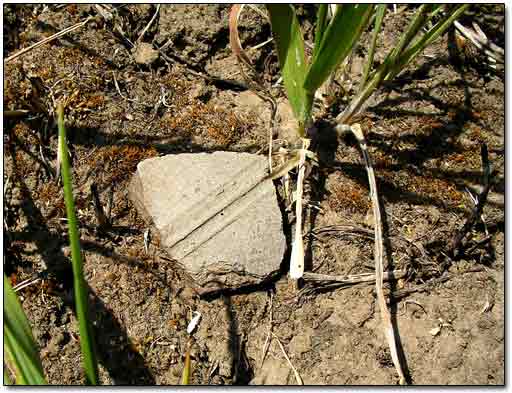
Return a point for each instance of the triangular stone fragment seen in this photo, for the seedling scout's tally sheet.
(216, 214)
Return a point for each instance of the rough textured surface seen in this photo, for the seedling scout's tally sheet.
(216, 214)
(273, 372)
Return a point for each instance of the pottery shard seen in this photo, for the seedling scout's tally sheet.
(216, 214)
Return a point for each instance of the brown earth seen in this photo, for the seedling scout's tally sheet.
(424, 133)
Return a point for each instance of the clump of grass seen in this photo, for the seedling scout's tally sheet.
(337, 31)
(335, 39)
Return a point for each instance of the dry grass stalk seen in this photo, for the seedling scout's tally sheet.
(295, 372)
(25, 283)
(480, 40)
(14, 114)
(345, 229)
(271, 325)
(149, 24)
(253, 80)
(286, 182)
(297, 257)
(379, 255)
(354, 278)
(49, 39)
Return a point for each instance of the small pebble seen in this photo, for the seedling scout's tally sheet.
(145, 54)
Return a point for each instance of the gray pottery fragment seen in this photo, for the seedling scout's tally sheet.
(216, 214)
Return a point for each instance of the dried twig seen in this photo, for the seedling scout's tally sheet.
(119, 90)
(455, 244)
(348, 229)
(261, 45)
(478, 243)
(379, 255)
(17, 113)
(46, 40)
(317, 282)
(402, 293)
(234, 38)
(271, 325)
(98, 208)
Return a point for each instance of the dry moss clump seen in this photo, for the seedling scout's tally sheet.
(24, 135)
(350, 195)
(49, 192)
(17, 88)
(216, 124)
(120, 161)
(469, 159)
(423, 186)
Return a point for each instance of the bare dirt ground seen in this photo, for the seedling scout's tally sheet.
(424, 130)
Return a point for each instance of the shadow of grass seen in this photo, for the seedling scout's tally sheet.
(124, 365)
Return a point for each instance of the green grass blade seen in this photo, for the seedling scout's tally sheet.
(418, 22)
(321, 23)
(415, 26)
(292, 59)
(86, 334)
(185, 376)
(340, 36)
(417, 47)
(28, 369)
(393, 66)
(380, 12)
(10, 348)
(435, 9)
(19, 343)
